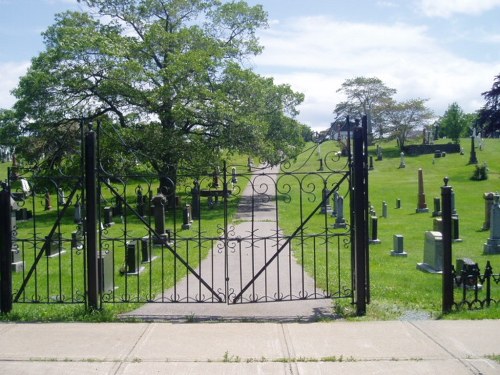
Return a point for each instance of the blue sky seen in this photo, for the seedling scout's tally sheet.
(443, 50)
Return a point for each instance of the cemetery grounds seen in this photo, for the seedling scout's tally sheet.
(398, 289)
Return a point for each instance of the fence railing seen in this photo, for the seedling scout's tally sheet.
(475, 289)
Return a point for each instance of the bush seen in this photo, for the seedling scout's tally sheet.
(481, 173)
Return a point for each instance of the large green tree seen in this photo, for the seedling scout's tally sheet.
(489, 115)
(405, 117)
(454, 123)
(168, 76)
(365, 96)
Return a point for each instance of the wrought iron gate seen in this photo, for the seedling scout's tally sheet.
(236, 234)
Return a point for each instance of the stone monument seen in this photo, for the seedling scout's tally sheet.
(433, 253)
(421, 206)
(492, 246)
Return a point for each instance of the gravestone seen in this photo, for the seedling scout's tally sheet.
(384, 210)
(374, 231)
(118, 207)
(23, 214)
(455, 229)
(140, 202)
(105, 272)
(320, 165)
(398, 203)
(334, 202)
(146, 256)
(437, 207)
(473, 157)
(53, 247)
(402, 163)
(250, 164)
(77, 240)
(325, 205)
(492, 246)
(421, 206)
(78, 213)
(186, 217)
(437, 225)
(234, 179)
(340, 220)
(108, 217)
(132, 260)
(158, 204)
(379, 153)
(488, 203)
(433, 253)
(398, 244)
(195, 201)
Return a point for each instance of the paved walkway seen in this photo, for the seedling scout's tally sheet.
(395, 347)
(258, 240)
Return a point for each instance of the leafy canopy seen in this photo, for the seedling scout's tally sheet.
(170, 76)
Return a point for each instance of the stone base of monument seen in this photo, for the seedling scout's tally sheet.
(163, 239)
(17, 266)
(395, 253)
(492, 246)
(421, 210)
(428, 268)
(433, 253)
(398, 241)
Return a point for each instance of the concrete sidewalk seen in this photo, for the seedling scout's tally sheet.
(388, 347)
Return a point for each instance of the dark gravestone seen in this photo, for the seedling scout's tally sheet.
(340, 220)
(437, 207)
(195, 201)
(53, 246)
(325, 206)
(374, 230)
(455, 229)
(158, 205)
(146, 256)
(132, 260)
(108, 217)
(398, 244)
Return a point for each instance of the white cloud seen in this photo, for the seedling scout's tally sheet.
(446, 8)
(9, 76)
(315, 55)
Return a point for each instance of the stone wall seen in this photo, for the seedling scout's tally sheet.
(415, 150)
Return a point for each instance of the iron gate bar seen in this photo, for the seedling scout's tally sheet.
(287, 241)
(164, 241)
(5, 251)
(44, 246)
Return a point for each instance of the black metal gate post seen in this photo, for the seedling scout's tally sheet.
(446, 193)
(5, 252)
(91, 219)
(359, 191)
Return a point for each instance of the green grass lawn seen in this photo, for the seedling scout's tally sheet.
(398, 289)
(396, 284)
